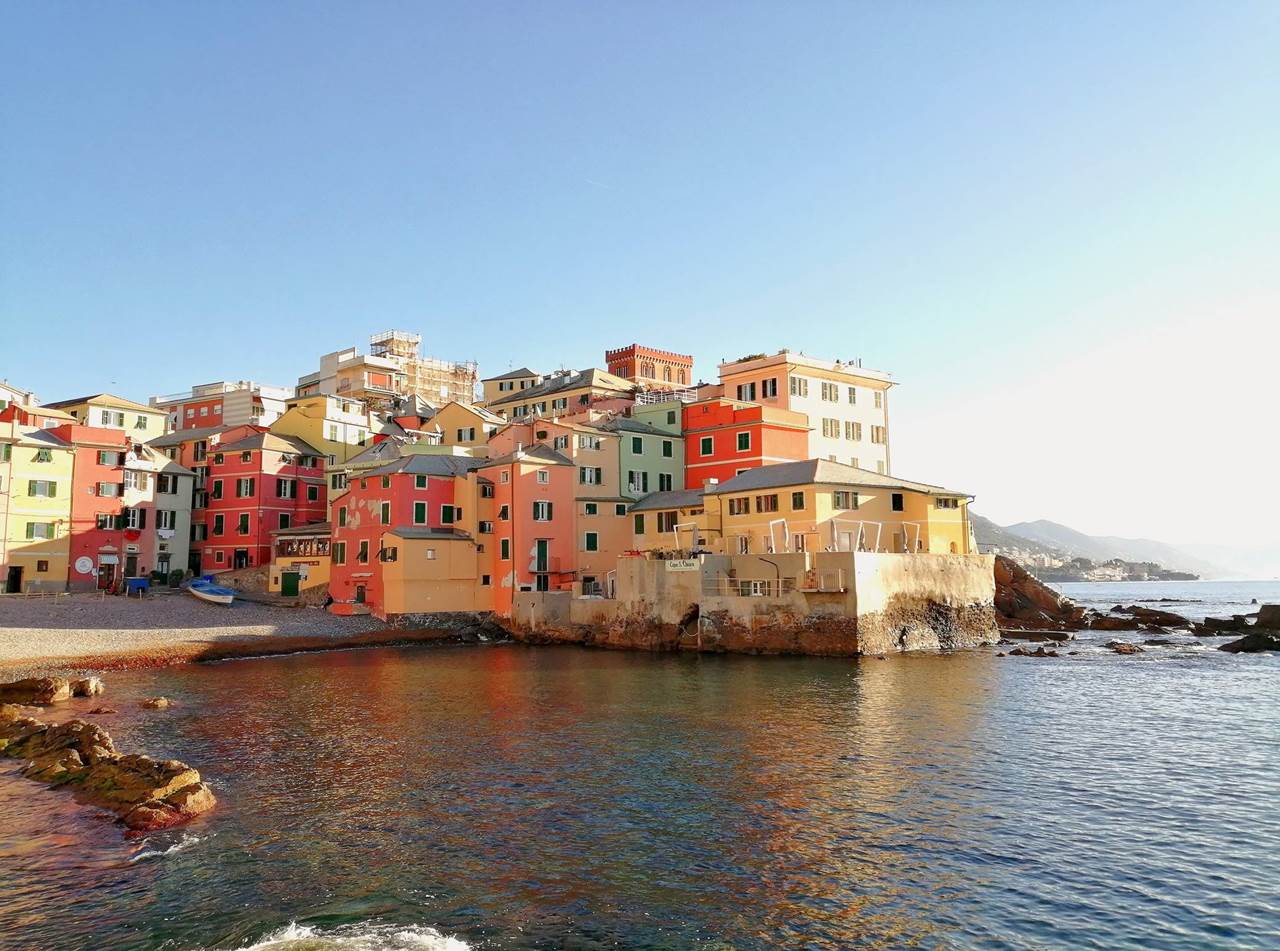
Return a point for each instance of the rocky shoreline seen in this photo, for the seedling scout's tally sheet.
(143, 793)
(1028, 609)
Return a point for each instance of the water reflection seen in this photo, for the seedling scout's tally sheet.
(563, 798)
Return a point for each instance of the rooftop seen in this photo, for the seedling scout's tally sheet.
(823, 471)
(758, 361)
(568, 380)
(423, 463)
(535, 454)
(272, 443)
(104, 399)
(511, 375)
(674, 499)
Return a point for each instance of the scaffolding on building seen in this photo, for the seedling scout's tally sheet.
(436, 381)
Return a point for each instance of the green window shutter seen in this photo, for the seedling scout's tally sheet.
(53, 490)
(419, 512)
(31, 529)
(639, 517)
(549, 514)
(31, 490)
(142, 518)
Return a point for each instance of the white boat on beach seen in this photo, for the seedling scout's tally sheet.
(214, 594)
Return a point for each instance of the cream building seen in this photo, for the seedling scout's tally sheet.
(35, 509)
(847, 405)
(142, 423)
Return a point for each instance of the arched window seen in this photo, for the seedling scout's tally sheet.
(666, 374)
(682, 379)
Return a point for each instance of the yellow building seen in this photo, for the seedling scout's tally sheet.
(432, 569)
(105, 411)
(507, 384)
(35, 508)
(462, 424)
(562, 393)
(299, 559)
(813, 505)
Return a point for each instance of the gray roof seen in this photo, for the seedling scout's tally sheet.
(422, 531)
(626, 424)
(535, 453)
(510, 375)
(424, 463)
(179, 436)
(675, 499)
(271, 442)
(822, 471)
(313, 528)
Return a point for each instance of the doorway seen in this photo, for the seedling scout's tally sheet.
(240, 559)
(13, 582)
(131, 566)
(106, 577)
(289, 583)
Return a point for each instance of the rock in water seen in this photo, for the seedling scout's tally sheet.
(88, 687)
(1254, 642)
(1268, 616)
(157, 703)
(1121, 647)
(38, 690)
(146, 794)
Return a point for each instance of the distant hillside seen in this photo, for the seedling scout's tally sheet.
(1076, 544)
(991, 535)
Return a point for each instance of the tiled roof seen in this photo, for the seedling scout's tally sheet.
(628, 425)
(315, 528)
(536, 453)
(822, 471)
(272, 443)
(426, 463)
(106, 399)
(674, 499)
(422, 531)
(574, 380)
(510, 375)
(179, 436)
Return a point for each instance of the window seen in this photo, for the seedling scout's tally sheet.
(830, 427)
(246, 456)
(134, 479)
(486, 490)
(744, 544)
(590, 508)
(637, 481)
(41, 566)
(419, 482)
(591, 541)
(947, 503)
(106, 521)
(706, 446)
(797, 501)
(639, 523)
(284, 520)
(393, 554)
(544, 477)
(853, 395)
(620, 508)
(560, 442)
(896, 502)
(739, 506)
(667, 521)
(879, 399)
(664, 481)
(878, 435)
(338, 481)
(668, 449)
(830, 393)
(844, 499)
(431, 554)
(339, 551)
(449, 514)
(333, 433)
(41, 530)
(484, 580)
(244, 488)
(386, 482)
(166, 519)
(419, 513)
(504, 549)
(42, 489)
(852, 431)
(504, 476)
(167, 484)
(218, 458)
(747, 392)
(362, 553)
(242, 526)
(744, 442)
(561, 403)
(854, 461)
(135, 518)
(504, 514)
(313, 493)
(286, 488)
(766, 503)
(199, 532)
(799, 386)
(467, 434)
(637, 445)
(541, 511)
(671, 418)
(218, 524)
(384, 513)
(769, 388)
(106, 458)
(588, 442)
(486, 528)
(590, 475)
(216, 492)
(219, 557)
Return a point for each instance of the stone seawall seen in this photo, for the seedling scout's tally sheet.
(871, 604)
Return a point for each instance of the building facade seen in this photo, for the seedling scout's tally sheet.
(847, 406)
(658, 369)
(242, 403)
(36, 470)
(499, 387)
(437, 381)
(105, 411)
(723, 438)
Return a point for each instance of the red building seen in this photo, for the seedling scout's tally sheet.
(190, 448)
(723, 438)
(256, 484)
(98, 534)
(418, 491)
(656, 368)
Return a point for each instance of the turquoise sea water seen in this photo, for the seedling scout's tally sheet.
(509, 797)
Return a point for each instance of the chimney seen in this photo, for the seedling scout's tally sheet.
(711, 482)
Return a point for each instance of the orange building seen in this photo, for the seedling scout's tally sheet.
(656, 368)
(724, 438)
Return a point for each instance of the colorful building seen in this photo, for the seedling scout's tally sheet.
(113, 412)
(190, 448)
(562, 393)
(300, 560)
(242, 403)
(36, 472)
(339, 428)
(847, 406)
(466, 425)
(258, 484)
(494, 388)
(11, 395)
(724, 438)
(659, 369)
(349, 374)
(437, 381)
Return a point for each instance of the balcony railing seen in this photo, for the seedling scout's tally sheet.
(649, 398)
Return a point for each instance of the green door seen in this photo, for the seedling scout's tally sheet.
(289, 583)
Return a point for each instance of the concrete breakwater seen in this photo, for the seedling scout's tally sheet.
(817, 603)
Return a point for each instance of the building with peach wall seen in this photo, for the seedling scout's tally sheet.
(724, 437)
(657, 369)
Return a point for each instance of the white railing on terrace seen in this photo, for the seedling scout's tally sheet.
(748, 587)
(650, 397)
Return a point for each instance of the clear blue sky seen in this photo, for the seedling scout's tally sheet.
(954, 192)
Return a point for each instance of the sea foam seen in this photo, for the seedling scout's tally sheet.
(365, 936)
(185, 842)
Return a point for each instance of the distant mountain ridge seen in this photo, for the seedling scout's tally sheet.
(1045, 537)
